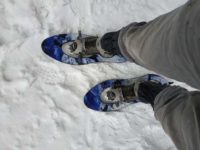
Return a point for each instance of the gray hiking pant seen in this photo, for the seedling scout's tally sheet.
(170, 45)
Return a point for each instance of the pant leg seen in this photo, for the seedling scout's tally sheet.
(179, 113)
(169, 45)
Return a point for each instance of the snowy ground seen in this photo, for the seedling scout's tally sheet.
(41, 106)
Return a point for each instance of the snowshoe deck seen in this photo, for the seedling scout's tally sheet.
(93, 99)
(52, 46)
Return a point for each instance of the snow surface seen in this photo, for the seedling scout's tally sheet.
(41, 100)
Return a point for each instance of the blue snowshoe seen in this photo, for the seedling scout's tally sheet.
(78, 49)
(113, 95)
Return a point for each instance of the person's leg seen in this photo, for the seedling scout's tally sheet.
(168, 45)
(110, 41)
(179, 113)
(177, 109)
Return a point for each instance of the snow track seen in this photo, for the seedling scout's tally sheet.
(41, 100)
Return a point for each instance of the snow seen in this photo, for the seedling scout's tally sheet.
(41, 100)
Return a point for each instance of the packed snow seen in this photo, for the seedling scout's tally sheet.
(41, 100)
